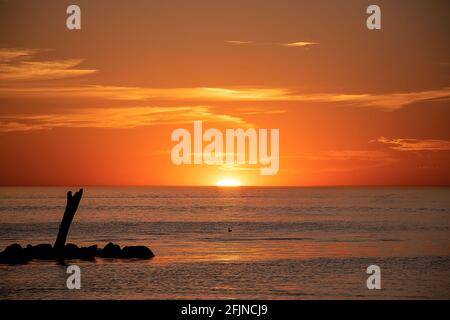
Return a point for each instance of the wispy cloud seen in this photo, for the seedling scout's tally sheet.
(140, 93)
(388, 101)
(399, 100)
(257, 110)
(279, 44)
(238, 42)
(21, 64)
(415, 144)
(237, 167)
(298, 44)
(11, 54)
(114, 118)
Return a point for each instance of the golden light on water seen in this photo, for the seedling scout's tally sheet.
(228, 182)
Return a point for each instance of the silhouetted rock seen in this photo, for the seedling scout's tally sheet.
(138, 252)
(88, 253)
(42, 251)
(111, 250)
(71, 251)
(28, 250)
(14, 254)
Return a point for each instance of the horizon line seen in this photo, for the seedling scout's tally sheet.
(242, 186)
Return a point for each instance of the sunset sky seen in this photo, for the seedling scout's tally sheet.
(97, 106)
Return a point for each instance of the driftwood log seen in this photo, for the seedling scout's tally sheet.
(15, 254)
(69, 213)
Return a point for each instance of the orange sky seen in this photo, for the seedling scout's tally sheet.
(97, 106)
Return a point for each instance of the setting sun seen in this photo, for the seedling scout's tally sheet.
(228, 182)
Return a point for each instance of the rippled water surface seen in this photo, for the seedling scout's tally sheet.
(286, 243)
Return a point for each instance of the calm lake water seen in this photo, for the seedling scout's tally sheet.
(286, 243)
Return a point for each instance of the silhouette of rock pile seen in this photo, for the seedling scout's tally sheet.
(15, 254)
